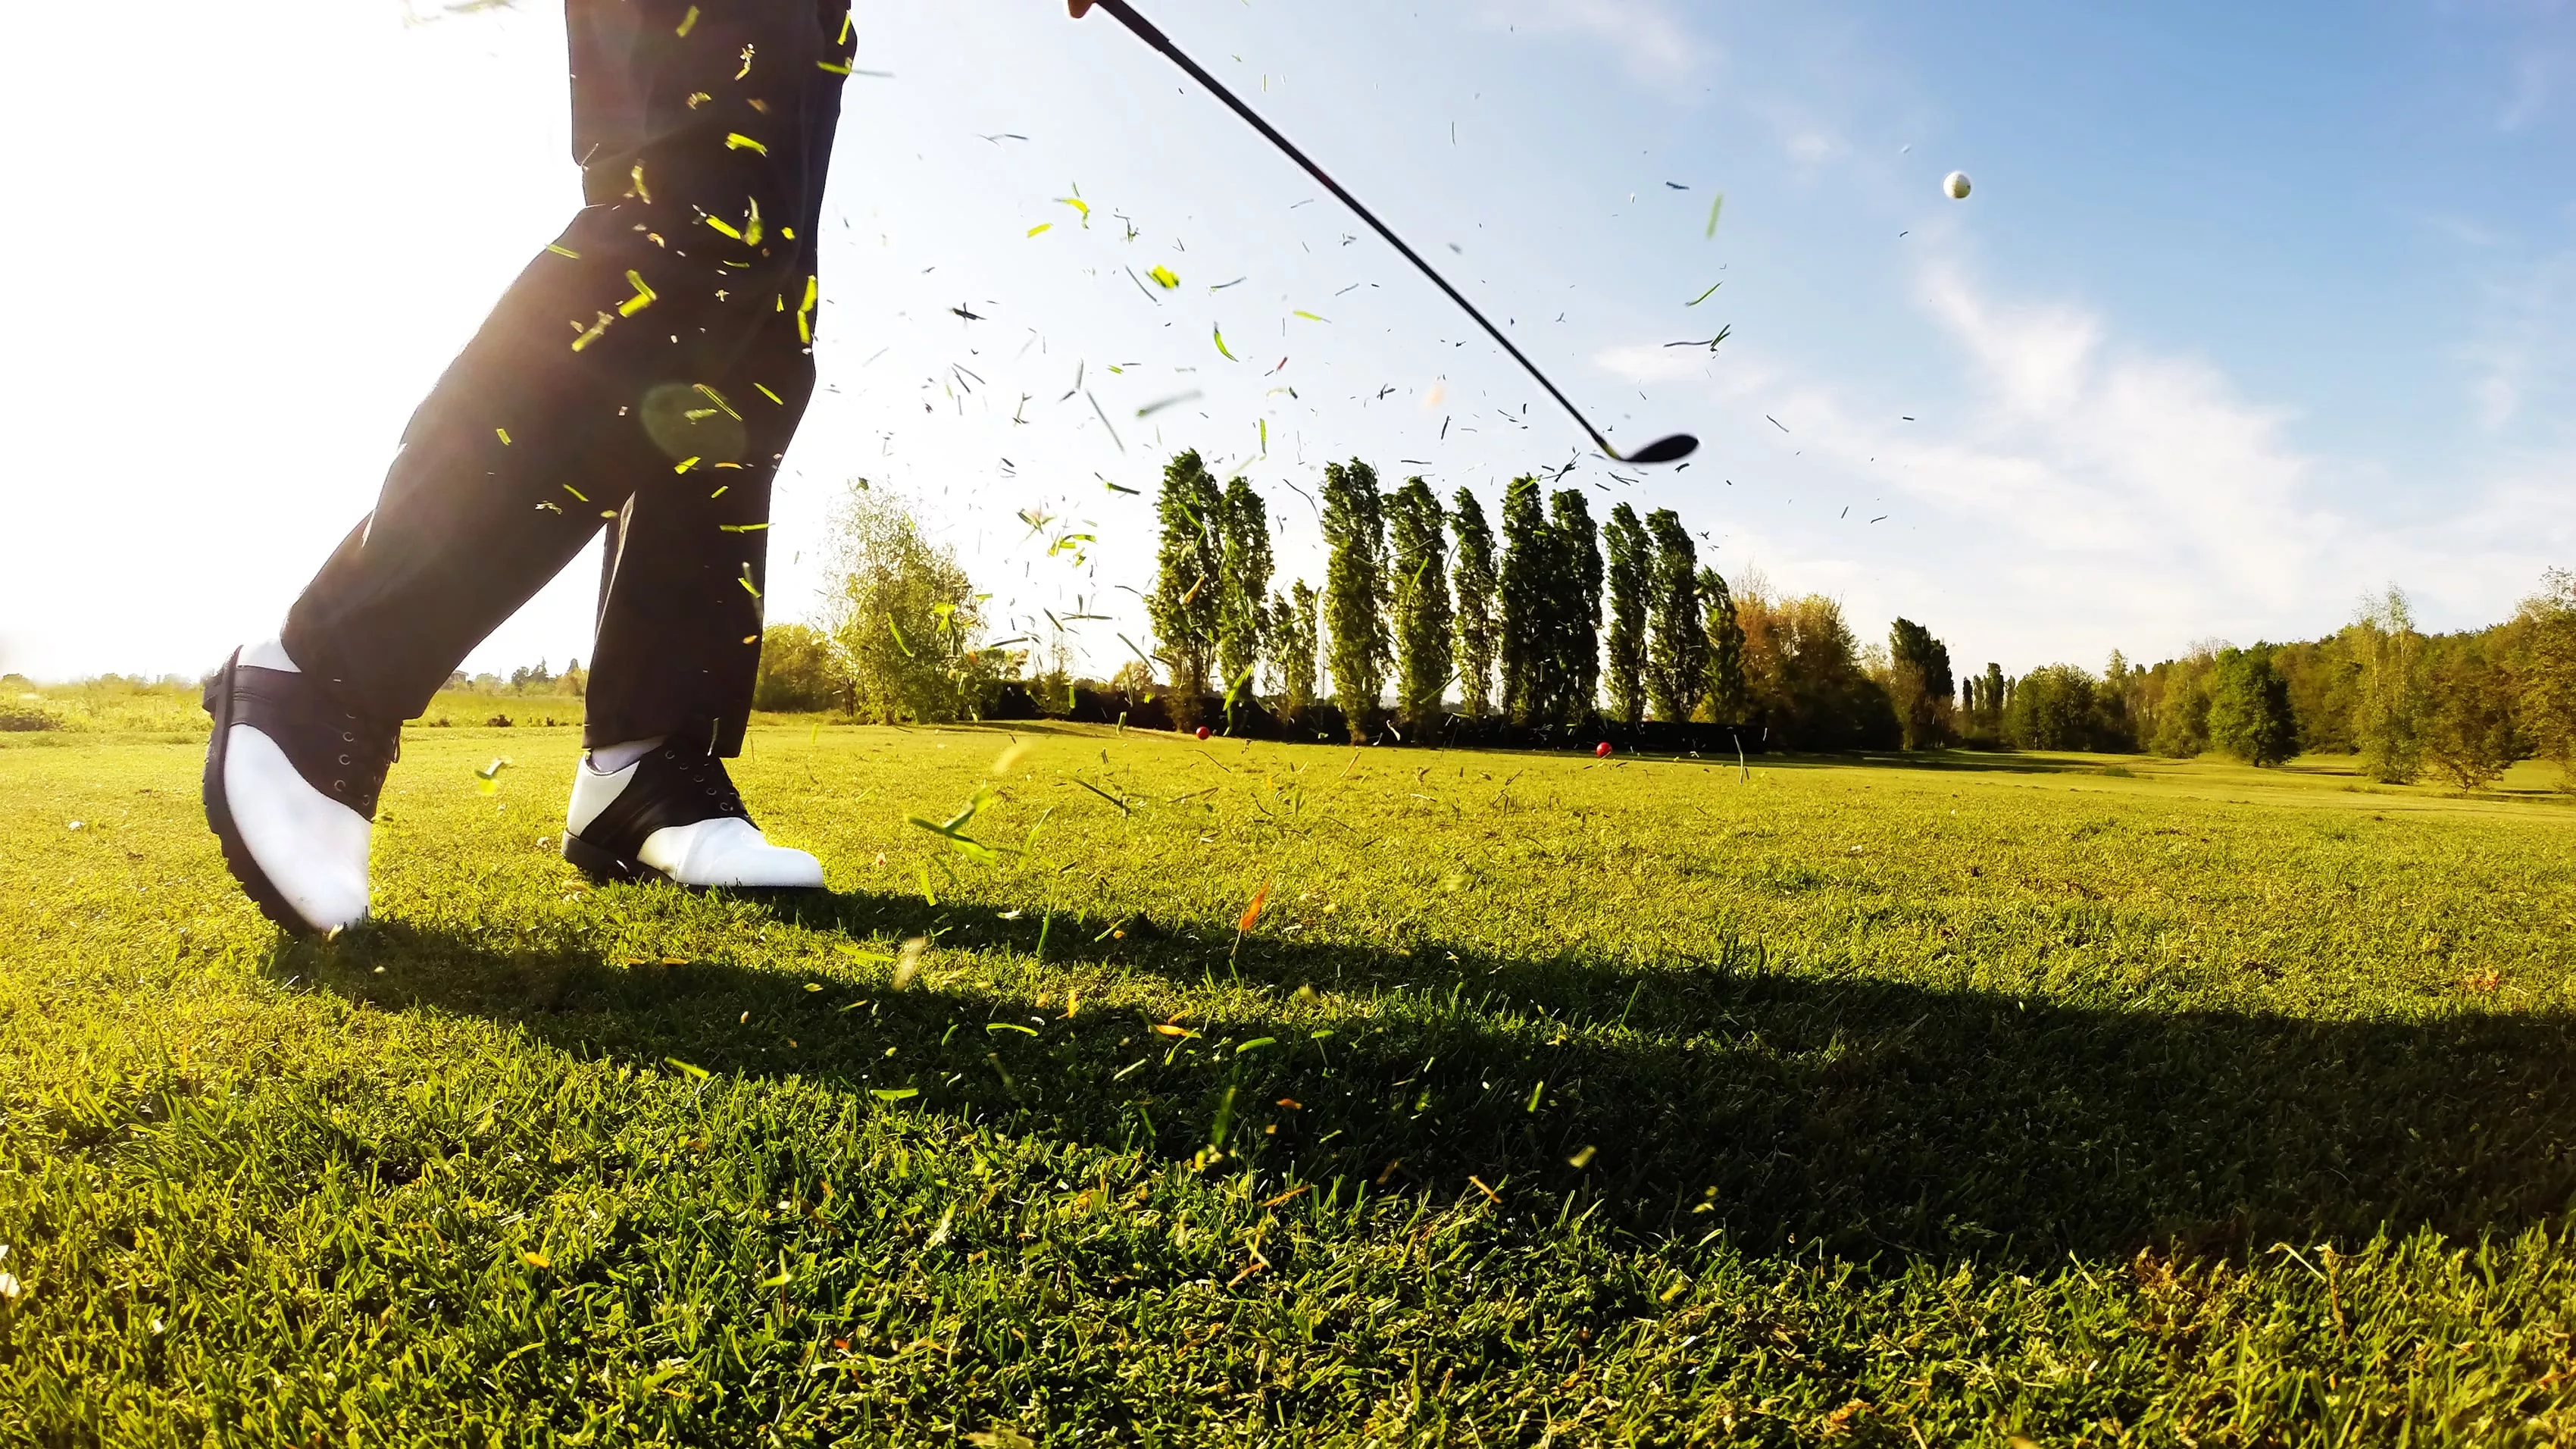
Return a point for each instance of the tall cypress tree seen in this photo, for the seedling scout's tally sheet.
(1727, 700)
(1418, 579)
(1185, 604)
(1292, 646)
(1355, 589)
(1919, 669)
(1625, 668)
(1528, 579)
(1243, 583)
(1472, 577)
(1577, 632)
(1678, 659)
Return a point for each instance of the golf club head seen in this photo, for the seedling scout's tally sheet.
(1664, 450)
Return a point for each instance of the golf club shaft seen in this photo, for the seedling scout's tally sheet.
(1146, 32)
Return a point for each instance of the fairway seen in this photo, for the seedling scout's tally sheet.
(1541, 1100)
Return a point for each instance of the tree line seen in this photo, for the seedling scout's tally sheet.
(1432, 622)
(2459, 708)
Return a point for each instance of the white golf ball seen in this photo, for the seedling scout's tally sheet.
(1955, 185)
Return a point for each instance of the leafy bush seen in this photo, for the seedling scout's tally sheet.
(2051, 708)
(23, 718)
(797, 672)
(1803, 676)
(2249, 708)
(905, 623)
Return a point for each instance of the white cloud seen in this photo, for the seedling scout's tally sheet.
(2089, 493)
(2137, 453)
(2520, 353)
(2516, 522)
(1812, 148)
(1646, 362)
(2535, 75)
(1653, 41)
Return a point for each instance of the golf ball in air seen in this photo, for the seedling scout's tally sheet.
(1955, 185)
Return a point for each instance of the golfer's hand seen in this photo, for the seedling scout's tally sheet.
(1078, 8)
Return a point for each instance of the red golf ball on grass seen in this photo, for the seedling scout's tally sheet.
(1203, 731)
(1601, 751)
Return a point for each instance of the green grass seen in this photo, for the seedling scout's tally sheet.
(52, 714)
(1547, 1101)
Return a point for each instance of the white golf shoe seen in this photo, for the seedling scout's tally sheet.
(674, 815)
(292, 777)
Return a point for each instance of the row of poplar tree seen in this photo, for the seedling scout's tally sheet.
(1537, 625)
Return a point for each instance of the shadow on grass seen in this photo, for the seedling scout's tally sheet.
(1858, 1113)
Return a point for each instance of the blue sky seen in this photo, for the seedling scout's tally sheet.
(2252, 309)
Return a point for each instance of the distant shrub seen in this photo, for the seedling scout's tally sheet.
(905, 623)
(1803, 674)
(2051, 708)
(797, 674)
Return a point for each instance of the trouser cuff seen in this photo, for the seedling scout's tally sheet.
(719, 735)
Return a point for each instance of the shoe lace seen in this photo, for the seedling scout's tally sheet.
(706, 774)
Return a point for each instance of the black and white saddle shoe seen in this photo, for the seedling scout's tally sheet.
(674, 815)
(292, 777)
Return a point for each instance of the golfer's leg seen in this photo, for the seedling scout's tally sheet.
(685, 583)
(683, 586)
(469, 523)
(704, 151)
(538, 430)
(474, 516)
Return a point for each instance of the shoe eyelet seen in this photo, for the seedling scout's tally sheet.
(344, 759)
(339, 787)
(347, 738)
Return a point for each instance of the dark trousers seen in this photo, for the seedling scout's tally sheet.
(643, 374)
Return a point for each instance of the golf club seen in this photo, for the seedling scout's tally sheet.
(1662, 450)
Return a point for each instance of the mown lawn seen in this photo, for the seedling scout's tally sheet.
(1545, 1102)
